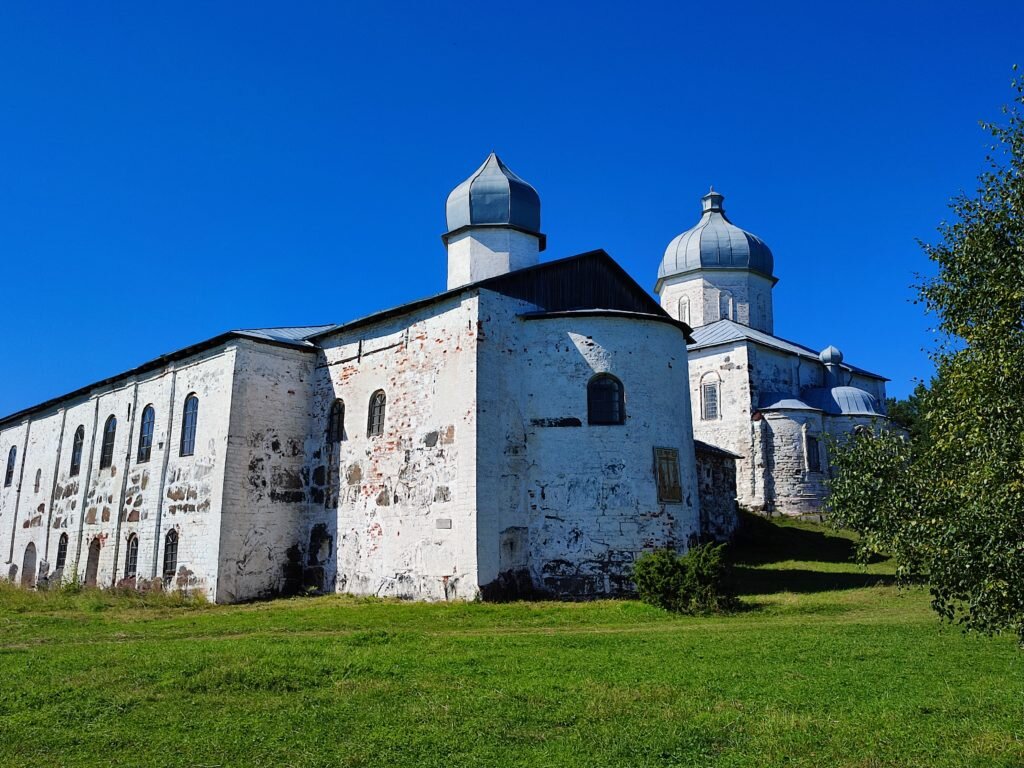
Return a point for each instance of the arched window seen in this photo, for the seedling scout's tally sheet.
(107, 451)
(813, 451)
(62, 551)
(39, 479)
(28, 567)
(146, 433)
(605, 400)
(92, 564)
(76, 451)
(725, 306)
(12, 457)
(189, 417)
(684, 310)
(375, 422)
(336, 422)
(170, 555)
(710, 389)
(131, 559)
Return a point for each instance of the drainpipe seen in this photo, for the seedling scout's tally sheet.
(163, 474)
(53, 484)
(17, 490)
(124, 481)
(85, 484)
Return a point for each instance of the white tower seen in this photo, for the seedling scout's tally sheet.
(493, 225)
(717, 271)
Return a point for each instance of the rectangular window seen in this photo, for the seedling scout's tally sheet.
(813, 455)
(709, 401)
(666, 467)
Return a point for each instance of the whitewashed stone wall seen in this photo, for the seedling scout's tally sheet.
(404, 502)
(707, 297)
(564, 506)
(264, 533)
(109, 504)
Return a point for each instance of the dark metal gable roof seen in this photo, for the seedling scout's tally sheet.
(591, 280)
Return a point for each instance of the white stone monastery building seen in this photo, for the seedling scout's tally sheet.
(766, 399)
(526, 432)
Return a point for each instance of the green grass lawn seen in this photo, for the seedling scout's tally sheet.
(827, 665)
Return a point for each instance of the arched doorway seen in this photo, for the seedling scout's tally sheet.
(92, 565)
(28, 567)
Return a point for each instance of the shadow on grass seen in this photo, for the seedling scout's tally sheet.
(761, 540)
(756, 581)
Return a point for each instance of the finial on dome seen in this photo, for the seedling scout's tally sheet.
(712, 201)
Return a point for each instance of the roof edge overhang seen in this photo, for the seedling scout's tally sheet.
(806, 355)
(542, 238)
(151, 365)
(619, 314)
(697, 270)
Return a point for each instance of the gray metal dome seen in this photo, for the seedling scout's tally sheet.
(843, 401)
(831, 355)
(716, 243)
(494, 197)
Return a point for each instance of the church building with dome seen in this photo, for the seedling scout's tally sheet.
(526, 432)
(771, 401)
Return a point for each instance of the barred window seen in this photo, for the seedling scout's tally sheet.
(605, 400)
(336, 422)
(709, 401)
(170, 555)
(146, 434)
(12, 458)
(375, 421)
(62, 550)
(666, 467)
(189, 418)
(107, 450)
(76, 451)
(131, 560)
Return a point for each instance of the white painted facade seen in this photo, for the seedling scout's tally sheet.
(774, 403)
(489, 477)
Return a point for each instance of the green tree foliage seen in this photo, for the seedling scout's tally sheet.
(698, 582)
(907, 413)
(949, 504)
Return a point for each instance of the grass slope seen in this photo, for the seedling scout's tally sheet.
(829, 665)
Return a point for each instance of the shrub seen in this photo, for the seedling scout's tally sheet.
(698, 582)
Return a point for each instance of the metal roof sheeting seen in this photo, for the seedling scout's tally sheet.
(782, 401)
(716, 243)
(298, 335)
(728, 331)
(844, 401)
(493, 195)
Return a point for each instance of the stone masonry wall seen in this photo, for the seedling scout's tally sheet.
(99, 508)
(401, 506)
(708, 292)
(565, 506)
(264, 536)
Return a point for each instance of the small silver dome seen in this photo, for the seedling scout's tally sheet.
(494, 196)
(843, 401)
(716, 243)
(831, 355)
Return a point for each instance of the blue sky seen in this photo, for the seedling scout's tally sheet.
(170, 171)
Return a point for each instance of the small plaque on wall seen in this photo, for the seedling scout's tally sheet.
(444, 522)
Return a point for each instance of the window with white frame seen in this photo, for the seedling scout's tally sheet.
(709, 400)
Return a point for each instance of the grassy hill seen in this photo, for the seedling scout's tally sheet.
(827, 665)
